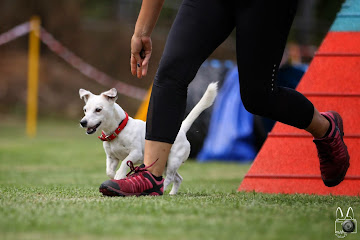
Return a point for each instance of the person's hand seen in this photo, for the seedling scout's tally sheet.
(140, 55)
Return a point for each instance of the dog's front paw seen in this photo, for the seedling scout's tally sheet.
(119, 176)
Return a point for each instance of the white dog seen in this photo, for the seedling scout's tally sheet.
(124, 137)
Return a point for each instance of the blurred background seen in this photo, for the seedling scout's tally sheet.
(99, 32)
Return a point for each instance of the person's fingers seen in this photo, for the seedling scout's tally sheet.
(140, 55)
(133, 65)
(138, 64)
(145, 64)
(139, 71)
(147, 49)
(144, 70)
(136, 61)
(146, 58)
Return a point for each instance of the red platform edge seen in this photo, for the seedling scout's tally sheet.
(287, 162)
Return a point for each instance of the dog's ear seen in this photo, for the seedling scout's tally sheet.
(84, 94)
(110, 95)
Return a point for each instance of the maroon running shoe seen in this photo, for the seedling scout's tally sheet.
(138, 182)
(332, 152)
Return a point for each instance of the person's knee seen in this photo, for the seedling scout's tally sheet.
(255, 102)
(253, 107)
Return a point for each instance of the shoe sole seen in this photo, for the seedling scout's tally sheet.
(112, 192)
(334, 182)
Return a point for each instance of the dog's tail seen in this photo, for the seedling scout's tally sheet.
(206, 101)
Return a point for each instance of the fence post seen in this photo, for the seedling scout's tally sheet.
(33, 76)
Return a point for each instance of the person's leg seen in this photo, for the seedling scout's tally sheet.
(155, 150)
(199, 28)
(318, 126)
(262, 28)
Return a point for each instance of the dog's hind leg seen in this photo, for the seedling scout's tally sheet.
(172, 175)
(177, 181)
(168, 180)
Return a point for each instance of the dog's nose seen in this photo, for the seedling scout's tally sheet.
(83, 123)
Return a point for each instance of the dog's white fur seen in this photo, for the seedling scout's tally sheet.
(101, 111)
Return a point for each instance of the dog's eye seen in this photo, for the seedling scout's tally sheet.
(98, 110)
(84, 110)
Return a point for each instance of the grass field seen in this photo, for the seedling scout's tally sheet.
(49, 190)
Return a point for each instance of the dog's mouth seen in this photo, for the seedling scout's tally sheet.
(91, 130)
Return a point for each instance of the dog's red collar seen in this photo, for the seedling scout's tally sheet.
(121, 126)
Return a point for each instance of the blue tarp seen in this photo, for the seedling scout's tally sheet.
(230, 135)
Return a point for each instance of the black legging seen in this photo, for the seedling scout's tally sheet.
(262, 27)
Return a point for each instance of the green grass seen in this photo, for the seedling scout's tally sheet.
(49, 190)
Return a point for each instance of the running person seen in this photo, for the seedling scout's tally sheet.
(262, 28)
